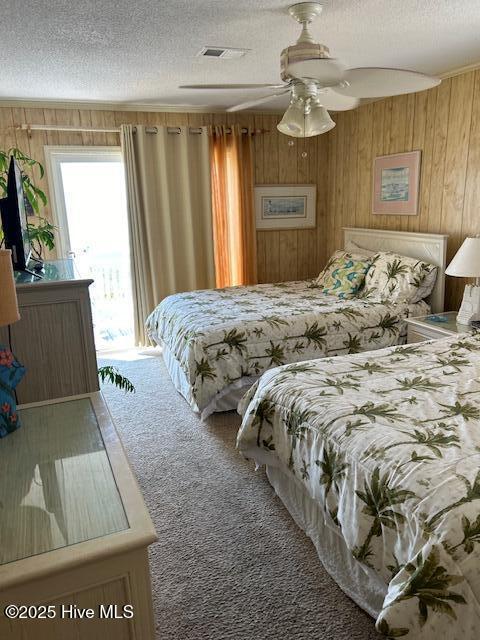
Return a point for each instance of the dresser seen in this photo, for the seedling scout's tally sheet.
(54, 336)
(74, 529)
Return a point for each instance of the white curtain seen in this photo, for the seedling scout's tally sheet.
(170, 215)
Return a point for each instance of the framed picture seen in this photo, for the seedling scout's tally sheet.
(396, 180)
(285, 206)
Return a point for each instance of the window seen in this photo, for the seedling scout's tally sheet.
(87, 185)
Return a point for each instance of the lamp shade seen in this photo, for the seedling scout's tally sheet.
(8, 295)
(304, 119)
(318, 121)
(293, 121)
(466, 262)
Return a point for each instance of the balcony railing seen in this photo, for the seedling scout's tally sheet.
(112, 306)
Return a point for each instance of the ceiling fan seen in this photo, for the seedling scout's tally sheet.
(317, 82)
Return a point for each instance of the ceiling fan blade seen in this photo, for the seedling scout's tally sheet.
(231, 86)
(326, 71)
(333, 101)
(253, 103)
(377, 82)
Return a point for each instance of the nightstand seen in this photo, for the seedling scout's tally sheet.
(426, 328)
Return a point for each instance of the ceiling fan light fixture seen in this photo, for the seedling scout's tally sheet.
(318, 121)
(292, 123)
(304, 119)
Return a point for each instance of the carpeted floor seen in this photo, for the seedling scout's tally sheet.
(230, 563)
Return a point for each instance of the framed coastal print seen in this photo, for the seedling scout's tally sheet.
(396, 180)
(285, 206)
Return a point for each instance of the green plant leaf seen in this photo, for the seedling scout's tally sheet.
(113, 375)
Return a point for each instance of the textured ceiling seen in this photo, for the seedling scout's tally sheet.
(139, 51)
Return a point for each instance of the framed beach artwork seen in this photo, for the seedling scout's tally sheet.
(285, 206)
(396, 180)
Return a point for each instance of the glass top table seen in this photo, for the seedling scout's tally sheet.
(53, 271)
(57, 488)
(446, 321)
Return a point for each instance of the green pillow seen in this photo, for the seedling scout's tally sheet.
(344, 274)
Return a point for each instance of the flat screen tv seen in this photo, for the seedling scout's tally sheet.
(14, 219)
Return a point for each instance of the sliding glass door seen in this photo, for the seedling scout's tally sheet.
(89, 205)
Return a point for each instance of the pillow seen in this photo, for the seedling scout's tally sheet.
(11, 372)
(398, 278)
(425, 282)
(353, 247)
(344, 274)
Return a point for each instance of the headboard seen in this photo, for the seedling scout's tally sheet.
(429, 247)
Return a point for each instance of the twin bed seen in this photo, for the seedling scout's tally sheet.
(375, 454)
(377, 458)
(217, 343)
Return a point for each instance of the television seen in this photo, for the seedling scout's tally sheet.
(14, 219)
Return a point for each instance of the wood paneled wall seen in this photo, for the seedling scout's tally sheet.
(282, 255)
(291, 254)
(445, 124)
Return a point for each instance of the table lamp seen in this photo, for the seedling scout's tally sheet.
(466, 264)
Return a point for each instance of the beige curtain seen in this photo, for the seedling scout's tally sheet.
(231, 157)
(170, 215)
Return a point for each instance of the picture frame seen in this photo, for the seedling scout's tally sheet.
(396, 180)
(285, 206)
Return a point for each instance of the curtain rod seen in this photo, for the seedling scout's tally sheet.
(79, 129)
(199, 129)
(59, 127)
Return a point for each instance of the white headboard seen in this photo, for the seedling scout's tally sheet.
(429, 247)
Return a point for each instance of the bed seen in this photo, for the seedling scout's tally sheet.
(216, 343)
(377, 458)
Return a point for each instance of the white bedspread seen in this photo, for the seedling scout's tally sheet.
(388, 445)
(219, 337)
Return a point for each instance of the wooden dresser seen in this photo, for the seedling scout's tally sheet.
(54, 336)
(74, 529)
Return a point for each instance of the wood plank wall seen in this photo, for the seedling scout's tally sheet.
(445, 124)
(282, 255)
(291, 254)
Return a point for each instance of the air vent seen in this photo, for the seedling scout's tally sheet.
(221, 52)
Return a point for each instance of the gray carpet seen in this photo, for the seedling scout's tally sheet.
(230, 562)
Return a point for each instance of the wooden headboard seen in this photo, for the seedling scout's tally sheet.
(428, 247)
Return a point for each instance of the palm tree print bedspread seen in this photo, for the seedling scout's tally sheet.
(388, 444)
(220, 336)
